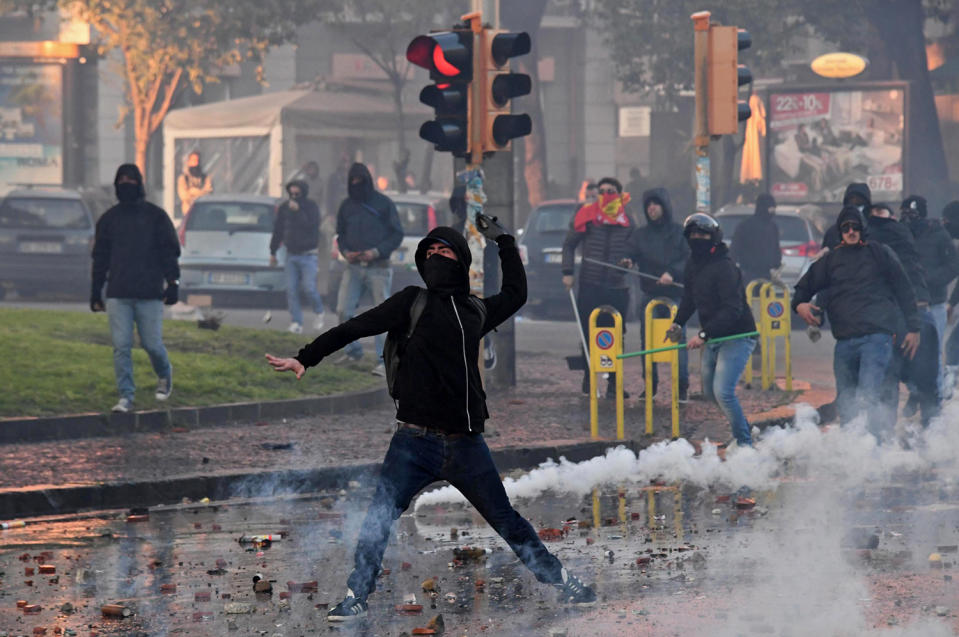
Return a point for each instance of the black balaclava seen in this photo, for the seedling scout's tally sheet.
(701, 248)
(302, 185)
(950, 219)
(442, 274)
(764, 202)
(129, 193)
(861, 189)
(913, 211)
(362, 191)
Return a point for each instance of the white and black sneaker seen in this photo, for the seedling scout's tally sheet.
(573, 591)
(350, 608)
(164, 387)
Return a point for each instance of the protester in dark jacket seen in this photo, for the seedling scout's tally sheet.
(603, 231)
(135, 253)
(950, 221)
(755, 245)
(714, 288)
(858, 196)
(659, 249)
(368, 231)
(882, 227)
(869, 298)
(441, 408)
(297, 226)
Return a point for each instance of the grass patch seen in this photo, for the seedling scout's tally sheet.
(57, 362)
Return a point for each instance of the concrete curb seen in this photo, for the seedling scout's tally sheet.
(21, 430)
(40, 501)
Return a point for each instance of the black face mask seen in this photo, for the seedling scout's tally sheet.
(442, 274)
(357, 191)
(700, 247)
(952, 229)
(127, 193)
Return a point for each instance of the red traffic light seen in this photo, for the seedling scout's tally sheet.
(448, 54)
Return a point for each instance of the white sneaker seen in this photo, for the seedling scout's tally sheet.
(164, 387)
(123, 406)
(318, 322)
(295, 328)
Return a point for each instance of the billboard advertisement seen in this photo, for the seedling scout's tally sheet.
(31, 123)
(821, 140)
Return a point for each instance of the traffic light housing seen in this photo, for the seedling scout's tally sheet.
(448, 56)
(725, 76)
(501, 86)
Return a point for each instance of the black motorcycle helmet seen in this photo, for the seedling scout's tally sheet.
(701, 222)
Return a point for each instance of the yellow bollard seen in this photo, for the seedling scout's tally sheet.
(596, 519)
(605, 346)
(655, 333)
(753, 298)
(776, 321)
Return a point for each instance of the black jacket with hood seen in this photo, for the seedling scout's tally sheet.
(660, 247)
(937, 254)
(603, 242)
(298, 230)
(136, 247)
(438, 383)
(755, 244)
(832, 238)
(367, 219)
(715, 288)
(889, 232)
(869, 291)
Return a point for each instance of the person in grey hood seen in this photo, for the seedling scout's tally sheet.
(368, 231)
(755, 245)
(297, 226)
(135, 254)
(660, 249)
(441, 407)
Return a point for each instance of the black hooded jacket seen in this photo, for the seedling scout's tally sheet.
(897, 236)
(869, 291)
(367, 219)
(715, 288)
(298, 230)
(832, 238)
(660, 247)
(438, 383)
(136, 247)
(938, 256)
(755, 245)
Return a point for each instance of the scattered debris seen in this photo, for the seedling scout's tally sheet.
(115, 610)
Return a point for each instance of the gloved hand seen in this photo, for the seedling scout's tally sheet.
(489, 227)
(96, 303)
(674, 333)
(171, 294)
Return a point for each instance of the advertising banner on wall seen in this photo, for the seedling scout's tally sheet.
(820, 141)
(31, 123)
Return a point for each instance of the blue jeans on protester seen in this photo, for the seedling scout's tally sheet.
(357, 279)
(723, 364)
(417, 458)
(683, 353)
(147, 315)
(860, 365)
(301, 275)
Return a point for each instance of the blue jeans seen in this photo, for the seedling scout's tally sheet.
(357, 279)
(723, 364)
(418, 458)
(301, 273)
(860, 365)
(147, 314)
(683, 353)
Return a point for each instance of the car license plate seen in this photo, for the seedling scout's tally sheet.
(229, 278)
(45, 247)
(553, 257)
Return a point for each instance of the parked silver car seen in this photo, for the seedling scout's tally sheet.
(225, 244)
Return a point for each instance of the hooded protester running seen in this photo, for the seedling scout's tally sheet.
(441, 407)
(135, 253)
(368, 231)
(660, 249)
(755, 245)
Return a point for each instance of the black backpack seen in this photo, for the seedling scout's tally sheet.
(393, 347)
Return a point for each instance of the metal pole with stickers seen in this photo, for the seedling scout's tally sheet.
(605, 347)
(776, 320)
(655, 333)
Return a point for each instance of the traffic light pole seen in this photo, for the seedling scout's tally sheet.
(701, 134)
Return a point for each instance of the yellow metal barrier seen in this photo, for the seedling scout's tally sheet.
(605, 346)
(776, 321)
(655, 333)
(753, 297)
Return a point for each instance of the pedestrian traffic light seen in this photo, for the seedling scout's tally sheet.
(448, 56)
(500, 86)
(725, 76)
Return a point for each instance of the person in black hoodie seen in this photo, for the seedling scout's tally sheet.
(135, 253)
(858, 196)
(755, 245)
(870, 301)
(297, 226)
(368, 231)
(950, 221)
(659, 249)
(441, 407)
(715, 289)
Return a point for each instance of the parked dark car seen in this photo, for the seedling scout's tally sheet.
(46, 237)
(541, 248)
